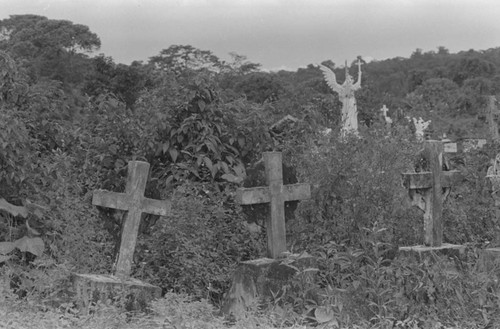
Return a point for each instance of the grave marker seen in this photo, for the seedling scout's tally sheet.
(93, 287)
(276, 194)
(134, 202)
(259, 279)
(428, 190)
(492, 114)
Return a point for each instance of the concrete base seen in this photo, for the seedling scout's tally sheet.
(257, 280)
(455, 254)
(444, 248)
(132, 294)
(490, 260)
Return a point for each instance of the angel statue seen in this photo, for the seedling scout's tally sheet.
(346, 96)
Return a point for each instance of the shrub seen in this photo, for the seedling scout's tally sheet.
(356, 184)
(197, 246)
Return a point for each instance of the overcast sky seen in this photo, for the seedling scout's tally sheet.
(279, 34)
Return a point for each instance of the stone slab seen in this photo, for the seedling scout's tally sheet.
(257, 280)
(443, 247)
(455, 253)
(91, 288)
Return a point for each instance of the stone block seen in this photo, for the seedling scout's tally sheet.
(257, 280)
(133, 294)
(421, 251)
(452, 256)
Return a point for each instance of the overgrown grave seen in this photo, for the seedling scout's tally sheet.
(263, 278)
(93, 287)
(428, 188)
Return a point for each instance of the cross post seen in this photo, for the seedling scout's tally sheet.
(428, 190)
(276, 194)
(134, 202)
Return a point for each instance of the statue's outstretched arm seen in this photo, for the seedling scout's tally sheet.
(330, 78)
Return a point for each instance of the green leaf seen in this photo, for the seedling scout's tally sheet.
(173, 154)
(215, 168)
(232, 179)
(241, 141)
(4, 258)
(12, 209)
(165, 147)
(36, 246)
(323, 314)
(201, 105)
(208, 163)
(6, 247)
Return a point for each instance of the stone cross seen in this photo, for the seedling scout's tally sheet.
(387, 118)
(428, 190)
(492, 114)
(276, 194)
(134, 202)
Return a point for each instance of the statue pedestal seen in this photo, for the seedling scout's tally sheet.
(134, 294)
(257, 280)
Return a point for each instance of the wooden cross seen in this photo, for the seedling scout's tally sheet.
(492, 118)
(428, 190)
(134, 202)
(276, 194)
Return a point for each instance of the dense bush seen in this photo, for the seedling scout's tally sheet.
(195, 249)
(357, 185)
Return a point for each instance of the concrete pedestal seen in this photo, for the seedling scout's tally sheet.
(133, 294)
(444, 249)
(450, 257)
(257, 280)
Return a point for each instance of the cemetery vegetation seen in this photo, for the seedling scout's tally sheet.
(71, 120)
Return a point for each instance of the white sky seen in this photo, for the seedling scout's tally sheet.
(278, 33)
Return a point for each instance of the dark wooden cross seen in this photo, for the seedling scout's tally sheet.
(492, 118)
(428, 190)
(134, 202)
(276, 194)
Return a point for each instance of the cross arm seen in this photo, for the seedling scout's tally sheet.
(110, 200)
(423, 180)
(246, 196)
(156, 207)
(297, 192)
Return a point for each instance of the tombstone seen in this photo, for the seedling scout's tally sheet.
(428, 190)
(492, 116)
(135, 204)
(275, 194)
(420, 126)
(387, 119)
(263, 277)
(346, 96)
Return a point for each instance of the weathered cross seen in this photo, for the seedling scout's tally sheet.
(276, 194)
(429, 189)
(134, 202)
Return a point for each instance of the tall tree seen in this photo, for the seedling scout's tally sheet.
(49, 48)
(178, 58)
